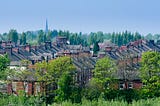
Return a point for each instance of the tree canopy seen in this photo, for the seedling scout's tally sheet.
(150, 72)
(4, 61)
(54, 69)
(104, 70)
(95, 48)
(13, 35)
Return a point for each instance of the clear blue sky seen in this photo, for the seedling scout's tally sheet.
(81, 15)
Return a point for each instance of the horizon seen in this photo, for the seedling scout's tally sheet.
(81, 16)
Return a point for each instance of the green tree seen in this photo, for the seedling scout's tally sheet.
(13, 35)
(95, 48)
(65, 87)
(100, 36)
(150, 71)
(113, 37)
(23, 39)
(4, 61)
(41, 37)
(137, 36)
(149, 36)
(91, 90)
(103, 72)
(50, 73)
(49, 36)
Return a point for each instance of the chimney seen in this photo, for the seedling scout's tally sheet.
(47, 59)
(3, 44)
(48, 44)
(108, 48)
(52, 55)
(28, 47)
(11, 51)
(15, 49)
(33, 62)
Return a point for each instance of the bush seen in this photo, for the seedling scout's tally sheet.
(7, 100)
(126, 95)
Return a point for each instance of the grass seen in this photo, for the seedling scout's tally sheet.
(101, 102)
(36, 101)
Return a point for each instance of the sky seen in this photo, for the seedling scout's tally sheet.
(81, 15)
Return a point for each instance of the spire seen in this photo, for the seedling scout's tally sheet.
(46, 31)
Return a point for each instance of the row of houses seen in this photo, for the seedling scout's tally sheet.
(127, 58)
(23, 57)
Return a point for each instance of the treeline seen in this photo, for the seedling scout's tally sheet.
(31, 37)
(125, 37)
(85, 39)
(155, 37)
(40, 36)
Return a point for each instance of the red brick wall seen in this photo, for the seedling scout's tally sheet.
(137, 85)
(20, 87)
(9, 88)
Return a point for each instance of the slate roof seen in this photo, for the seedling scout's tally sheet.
(132, 50)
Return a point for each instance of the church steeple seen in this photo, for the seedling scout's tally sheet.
(46, 30)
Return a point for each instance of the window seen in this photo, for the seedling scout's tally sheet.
(26, 86)
(121, 86)
(130, 85)
(37, 88)
(14, 86)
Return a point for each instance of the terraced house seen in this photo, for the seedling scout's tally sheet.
(23, 57)
(128, 58)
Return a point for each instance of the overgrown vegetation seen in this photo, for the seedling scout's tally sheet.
(38, 101)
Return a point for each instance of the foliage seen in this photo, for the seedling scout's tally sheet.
(125, 37)
(102, 102)
(51, 73)
(91, 91)
(103, 72)
(76, 94)
(53, 70)
(155, 37)
(95, 48)
(7, 100)
(150, 71)
(23, 39)
(41, 37)
(13, 35)
(20, 100)
(65, 87)
(4, 61)
(37, 37)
